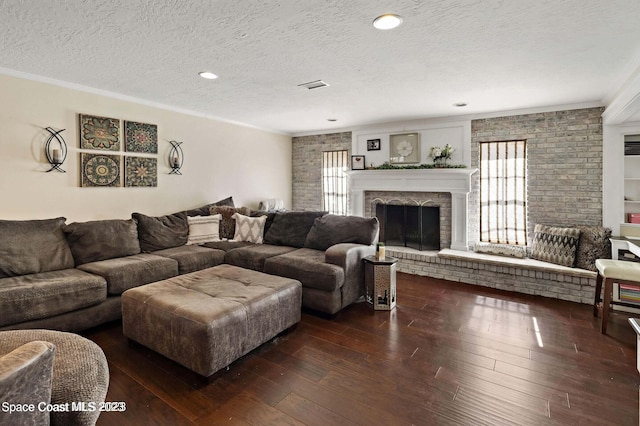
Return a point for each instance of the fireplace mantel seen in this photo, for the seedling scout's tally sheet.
(455, 181)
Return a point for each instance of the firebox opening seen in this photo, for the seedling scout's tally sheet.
(417, 227)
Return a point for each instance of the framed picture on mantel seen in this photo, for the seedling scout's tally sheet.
(357, 162)
(404, 148)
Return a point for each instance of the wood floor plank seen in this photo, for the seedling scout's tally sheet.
(191, 402)
(310, 413)
(449, 354)
(142, 405)
(248, 410)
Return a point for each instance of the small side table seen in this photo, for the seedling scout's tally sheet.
(380, 282)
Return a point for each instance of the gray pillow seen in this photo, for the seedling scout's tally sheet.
(162, 232)
(102, 239)
(594, 244)
(291, 228)
(555, 245)
(332, 229)
(33, 246)
(204, 210)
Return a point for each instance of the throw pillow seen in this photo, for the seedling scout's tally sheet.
(555, 245)
(204, 229)
(332, 229)
(270, 216)
(162, 232)
(291, 228)
(249, 229)
(204, 210)
(32, 246)
(501, 250)
(102, 239)
(594, 244)
(228, 223)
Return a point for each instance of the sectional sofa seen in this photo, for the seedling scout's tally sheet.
(70, 277)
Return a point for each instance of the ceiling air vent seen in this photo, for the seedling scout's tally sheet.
(313, 84)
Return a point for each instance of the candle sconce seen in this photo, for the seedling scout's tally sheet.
(176, 158)
(55, 156)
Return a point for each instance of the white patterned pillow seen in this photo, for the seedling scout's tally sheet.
(249, 229)
(204, 229)
(501, 249)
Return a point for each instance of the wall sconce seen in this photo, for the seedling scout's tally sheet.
(55, 155)
(176, 158)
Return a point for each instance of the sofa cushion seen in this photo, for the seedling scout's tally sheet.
(34, 296)
(227, 245)
(204, 229)
(228, 223)
(102, 239)
(124, 273)
(555, 245)
(594, 244)
(291, 228)
(204, 210)
(250, 229)
(192, 258)
(253, 256)
(332, 229)
(161, 232)
(308, 267)
(33, 246)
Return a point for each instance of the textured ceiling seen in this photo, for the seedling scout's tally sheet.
(495, 55)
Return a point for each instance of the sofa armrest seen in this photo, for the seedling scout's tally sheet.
(349, 256)
(25, 378)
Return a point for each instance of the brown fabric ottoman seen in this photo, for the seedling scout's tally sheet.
(205, 320)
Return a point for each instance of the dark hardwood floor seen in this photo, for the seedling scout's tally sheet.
(448, 354)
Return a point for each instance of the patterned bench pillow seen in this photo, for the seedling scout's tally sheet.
(501, 250)
(555, 245)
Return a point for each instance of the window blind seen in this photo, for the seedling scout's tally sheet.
(334, 181)
(503, 192)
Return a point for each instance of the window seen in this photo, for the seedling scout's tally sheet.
(503, 192)
(334, 181)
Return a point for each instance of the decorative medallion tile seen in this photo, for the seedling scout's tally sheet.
(141, 171)
(141, 137)
(99, 133)
(100, 170)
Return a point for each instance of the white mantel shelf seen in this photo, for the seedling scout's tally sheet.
(455, 181)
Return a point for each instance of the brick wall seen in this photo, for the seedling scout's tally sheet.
(307, 167)
(564, 151)
(575, 286)
(564, 169)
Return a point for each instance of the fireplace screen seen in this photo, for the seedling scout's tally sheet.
(416, 227)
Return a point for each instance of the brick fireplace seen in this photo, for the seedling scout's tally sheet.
(430, 199)
(421, 185)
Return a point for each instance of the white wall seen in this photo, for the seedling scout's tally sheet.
(221, 159)
(432, 133)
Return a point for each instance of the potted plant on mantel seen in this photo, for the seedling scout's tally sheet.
(441, 155)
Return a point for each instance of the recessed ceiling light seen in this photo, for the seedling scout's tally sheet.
(208, 75)
(460, 104)
(387, 21)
